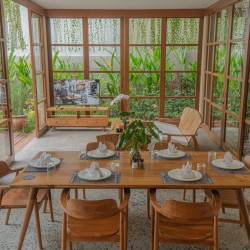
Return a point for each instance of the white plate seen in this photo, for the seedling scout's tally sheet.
(175, 175)
(52, 159)
(84, 174)
(107, 154)
(164, 153)
(235, 165)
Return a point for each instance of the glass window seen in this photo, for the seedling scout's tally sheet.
(210, 58)
(240, 19)
(211, 28)
(222, 25)
(66, 30)
(216, 121)
(144, 30)
(181, 58)
(232, 132)
(104, 30)
(220, 57)
(180, 84)
(246, 145)
(218, 90)
(236, 59)
(4, 140)
(182, 30)
(208, 86)
(234, 96)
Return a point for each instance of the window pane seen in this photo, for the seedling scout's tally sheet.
(144, 30)
(104, 58)
(114, 110)
(208, 86)
(248, 103)
(39, 88)
(236, 59)
(182, 30)
(220, 56)
(67, 58)
(218, 90)
(211, 28)
(180, 84)
(173, 107)
(41, 115)
(232, 131)
(240, 19)
(144, 58)
(222, 25)
(35, 29)
(181, 58)
(37, 58)
(4, 141)
(216, 121)
(210, 56)
(144, 84)
(2, 76)
(3, 101)
(66, 30)
(246, 146)
(146, 109)
(109, 83)
(206, 113)
(234, 96)
(104, 30)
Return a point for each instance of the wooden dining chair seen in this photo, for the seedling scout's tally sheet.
(179, 222)
(13, 198)
(94, 220)
(94, 145)
(229, 200)
(108, 138)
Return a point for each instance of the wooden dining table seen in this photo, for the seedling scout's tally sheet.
(148, 177)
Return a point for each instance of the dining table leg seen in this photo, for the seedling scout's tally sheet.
(28, 212)
(243, 210)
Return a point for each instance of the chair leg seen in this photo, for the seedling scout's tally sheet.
(64, 231)
(50, 206)
(7, 216)
(38, 228)
(76, 193)
(84, 194)
(194, 195)
(156, 222)
(152, 228)
(126, 229)
(184, 194)
(216, 234)
(70, 245)
(45, 204)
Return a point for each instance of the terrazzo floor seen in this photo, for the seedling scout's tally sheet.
(231, 236)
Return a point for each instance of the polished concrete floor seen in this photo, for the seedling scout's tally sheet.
(231, 237)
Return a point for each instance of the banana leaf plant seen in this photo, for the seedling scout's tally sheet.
(136, 135)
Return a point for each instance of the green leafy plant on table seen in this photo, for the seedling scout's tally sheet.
(135, 135)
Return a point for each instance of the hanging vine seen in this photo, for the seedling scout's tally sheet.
(13, 25)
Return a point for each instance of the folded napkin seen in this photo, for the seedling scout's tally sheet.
(172, 148)
(44, 159)
(186, 171)
(94, 171)
(227, 160)
(102, 148)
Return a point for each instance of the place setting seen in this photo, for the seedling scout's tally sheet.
(101, 152)
(187, 174)
(94, 173)
(44, 164)
(227, 165)
(171, 153)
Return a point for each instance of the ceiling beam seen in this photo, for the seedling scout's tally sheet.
(101, 13)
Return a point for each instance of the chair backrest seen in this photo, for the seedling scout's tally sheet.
(94, 145)
(190, 121)
(108, 138)
(4, 169)
(246, 160)
(160, 145)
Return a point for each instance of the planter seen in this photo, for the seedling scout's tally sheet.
(135, 158)
(19, 122)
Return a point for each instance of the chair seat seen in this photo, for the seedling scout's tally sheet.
(18, 197)
(94, 228)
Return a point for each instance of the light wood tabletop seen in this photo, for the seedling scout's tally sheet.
(148, 177)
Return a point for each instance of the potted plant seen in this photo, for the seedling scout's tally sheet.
(20, 87)
(134, 136)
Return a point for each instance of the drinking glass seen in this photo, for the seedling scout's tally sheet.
(201, 167)
(82, 153)
(51, 168)
(211, 157)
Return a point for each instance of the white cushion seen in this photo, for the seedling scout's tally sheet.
(173, 129)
